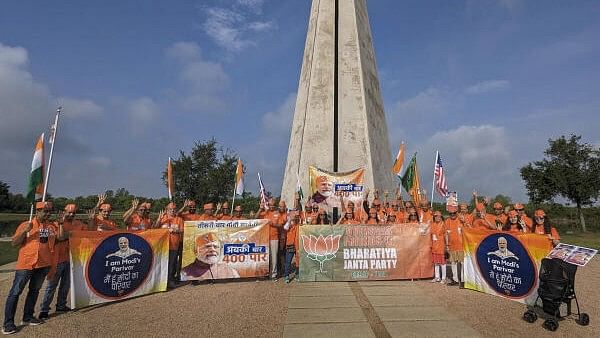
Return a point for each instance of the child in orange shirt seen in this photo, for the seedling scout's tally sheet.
(438, 247)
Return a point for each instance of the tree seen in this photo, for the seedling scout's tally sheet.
(4, 196)
(207, 174)
(570, 170)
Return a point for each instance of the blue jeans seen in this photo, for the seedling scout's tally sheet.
(35, 278)
(62, 280)
(289, 257)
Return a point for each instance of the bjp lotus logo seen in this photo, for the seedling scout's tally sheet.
(321, 248)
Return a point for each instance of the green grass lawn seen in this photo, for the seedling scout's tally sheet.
(8, 253)
(588, 240)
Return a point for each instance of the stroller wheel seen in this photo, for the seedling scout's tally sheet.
(583, 320)
(550, 324)
(530, 316)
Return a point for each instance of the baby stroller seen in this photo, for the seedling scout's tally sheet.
(557, 286)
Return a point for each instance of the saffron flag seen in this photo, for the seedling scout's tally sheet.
(263, 192)
(439, 176)
(35, 188)
(411, 181)
(170, 179)
(399, 162)
(239, 178)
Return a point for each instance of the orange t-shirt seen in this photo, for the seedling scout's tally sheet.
(438, 241)
(350, 221)
(137, 222)
(425, 216)
(238, 218)
(502, 218)
(191, 217)
(553, 232)
(482, 223)
(225, 217)
(205, 217)
(515, 228)
(401, 216)
(62, 247)
(176, 222)
(104, 224)
(468, 219)
(32, 253)
(371, 221)
(454, 228)
(277, 219)
(291, 236)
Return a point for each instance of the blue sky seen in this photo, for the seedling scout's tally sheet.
(485, 82)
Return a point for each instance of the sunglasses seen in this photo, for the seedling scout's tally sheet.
(519, 209)
(540, 217)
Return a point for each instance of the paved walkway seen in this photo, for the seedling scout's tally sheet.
(368, 309)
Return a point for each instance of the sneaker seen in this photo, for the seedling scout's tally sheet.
(442, 281)
(435, 280)
(9, 329)
(63, 309)
(32, 321)
(44, 315)
(287, 280)
(170, 285)
(453, 283)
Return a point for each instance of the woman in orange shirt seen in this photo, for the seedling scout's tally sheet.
(541, 226)
(291, 243)
(438, 247)
(373, 217)
(514, 224)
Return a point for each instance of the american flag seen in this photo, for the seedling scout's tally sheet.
(441, 186)
(263, 192)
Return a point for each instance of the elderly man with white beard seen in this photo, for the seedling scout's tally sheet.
(207, 264)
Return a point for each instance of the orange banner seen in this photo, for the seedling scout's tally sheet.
(364, 252)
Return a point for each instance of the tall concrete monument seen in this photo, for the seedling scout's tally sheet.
(339, 122)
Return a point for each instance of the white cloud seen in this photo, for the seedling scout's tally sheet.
(280, 120)
(234, 28)
(100, 161)
(202, 83)
(430, 101)
(487, 86)
(80, 108)
(144, 112)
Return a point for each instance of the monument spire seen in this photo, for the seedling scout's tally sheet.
(339, 123)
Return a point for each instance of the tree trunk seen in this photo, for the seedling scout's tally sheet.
(581, 219)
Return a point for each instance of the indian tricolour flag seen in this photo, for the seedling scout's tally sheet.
(239, 178)
(35, 188)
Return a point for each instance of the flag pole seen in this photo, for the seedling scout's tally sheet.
(433, 181)
(170, 179)
(53, 139)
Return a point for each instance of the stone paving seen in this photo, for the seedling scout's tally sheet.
(368, 309)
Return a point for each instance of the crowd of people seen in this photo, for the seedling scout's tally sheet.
(43, 241)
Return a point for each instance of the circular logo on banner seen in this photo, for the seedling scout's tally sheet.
(506, 265)
(119, 265)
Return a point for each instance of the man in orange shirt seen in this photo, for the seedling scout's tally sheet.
(454, 228)
(35, 239)
(188, 211)
(464, 215)
(483, 220)
(168, 219)
(499, 215)
(291, 243)
(425, 214)
(524, 219)
(138, 218)
(66, 224)
(209, 213)
(224, 213)
(101, 221)
(237, 213)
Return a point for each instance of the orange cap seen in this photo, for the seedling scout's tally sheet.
(105, 207)
(497, 205)
(282, 204)
(480, 206)
(192, 204)
(225, 205)
(519, 206)
(146, 205)
(539, 213)
(43, 205)
(376, 201)
(424, 203)
(70, 207)
(206, 238)
(463, 204)
(238, 208)
(208, 206)
(512, 213)
(437, 213)
(171, 206)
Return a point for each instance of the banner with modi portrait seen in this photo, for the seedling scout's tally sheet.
(115, 265)
(328, 188)
(504, 264)
(219, 249)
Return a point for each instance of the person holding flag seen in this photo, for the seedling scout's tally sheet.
(35, 239)
(62, 278)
